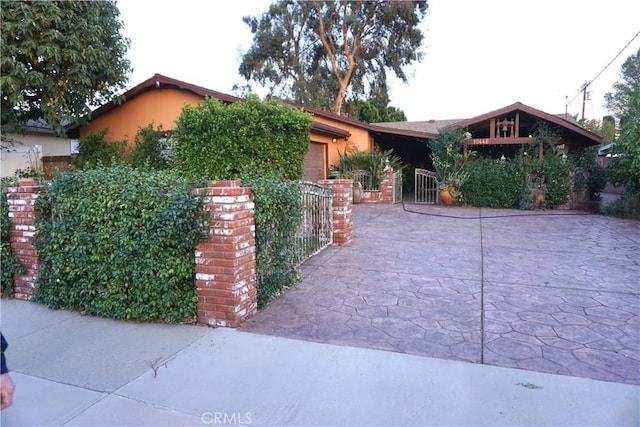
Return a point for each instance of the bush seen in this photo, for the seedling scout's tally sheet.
(151, 149)
(597, 175)
(626, 206)
(95, 150)
(8, 263)
(554, 174)
(118, 242)
(241, 140)
(492, 183)
(371, 161)
(278, 213)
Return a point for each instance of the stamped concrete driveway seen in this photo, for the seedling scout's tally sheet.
(554, 292)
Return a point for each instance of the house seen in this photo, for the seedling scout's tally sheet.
(159, 100)
(502, 132)
(37, 149)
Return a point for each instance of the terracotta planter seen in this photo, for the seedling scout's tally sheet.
(447, 196)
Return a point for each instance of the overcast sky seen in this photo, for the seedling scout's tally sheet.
(479, 55)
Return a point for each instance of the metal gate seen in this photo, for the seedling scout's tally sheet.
(426, 187)
(397, 186)
(316, 231)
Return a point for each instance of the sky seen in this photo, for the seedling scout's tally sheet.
(479, 55)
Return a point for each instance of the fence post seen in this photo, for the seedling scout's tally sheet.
(226, 260)
(22, 203)
(386, 186)
(342, 196)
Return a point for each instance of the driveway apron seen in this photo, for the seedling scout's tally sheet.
(553, 291)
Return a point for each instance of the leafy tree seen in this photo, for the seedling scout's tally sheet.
(59, 58)
(624, 101)
(376, 109)
(319, 52)
(605, 128)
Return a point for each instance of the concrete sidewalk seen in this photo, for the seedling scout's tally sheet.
(74, 370)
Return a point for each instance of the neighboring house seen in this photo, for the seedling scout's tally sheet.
(159, 100)
(38, 149)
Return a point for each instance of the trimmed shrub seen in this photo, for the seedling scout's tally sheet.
(9, 265)
(118, 242)
(241, 140)
(278, 213)
(492, 183)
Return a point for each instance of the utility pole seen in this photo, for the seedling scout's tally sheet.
(585, 96)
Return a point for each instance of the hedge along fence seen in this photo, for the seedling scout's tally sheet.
(225, 261)
(275, 239)
(118, 242)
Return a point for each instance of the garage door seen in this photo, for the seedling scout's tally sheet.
(314, 163)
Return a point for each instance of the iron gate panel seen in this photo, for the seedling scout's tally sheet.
(316, 231)
(397, 186)
(364, 178)
(426, 187)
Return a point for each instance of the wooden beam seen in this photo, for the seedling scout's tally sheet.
(492, 128)
(517, 124)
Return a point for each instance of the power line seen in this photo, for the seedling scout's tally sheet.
(586, 84)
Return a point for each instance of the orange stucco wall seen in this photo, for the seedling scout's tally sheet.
(359, 139)
(161, 106)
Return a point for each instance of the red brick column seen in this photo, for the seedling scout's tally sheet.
(342, 190)
(22, 202)
(386, 187)
(226, 261)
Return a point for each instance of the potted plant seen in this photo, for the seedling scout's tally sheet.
(449, 160)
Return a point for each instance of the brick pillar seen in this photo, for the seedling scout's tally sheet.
(386, 187)
(342, 190)
(226, 261)
(22, 202)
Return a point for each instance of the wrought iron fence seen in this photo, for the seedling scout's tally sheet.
(316, 231)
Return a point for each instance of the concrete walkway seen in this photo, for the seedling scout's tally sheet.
(72, 370)
(554, 291)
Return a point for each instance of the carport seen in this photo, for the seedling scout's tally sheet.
(554, 292)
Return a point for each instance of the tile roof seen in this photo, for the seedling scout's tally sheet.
(429, 126)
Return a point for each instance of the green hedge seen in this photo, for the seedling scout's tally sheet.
(278, 213)
(118, 242)
(8, 262)
(244, 139)
(514, 183)
(492, 183)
